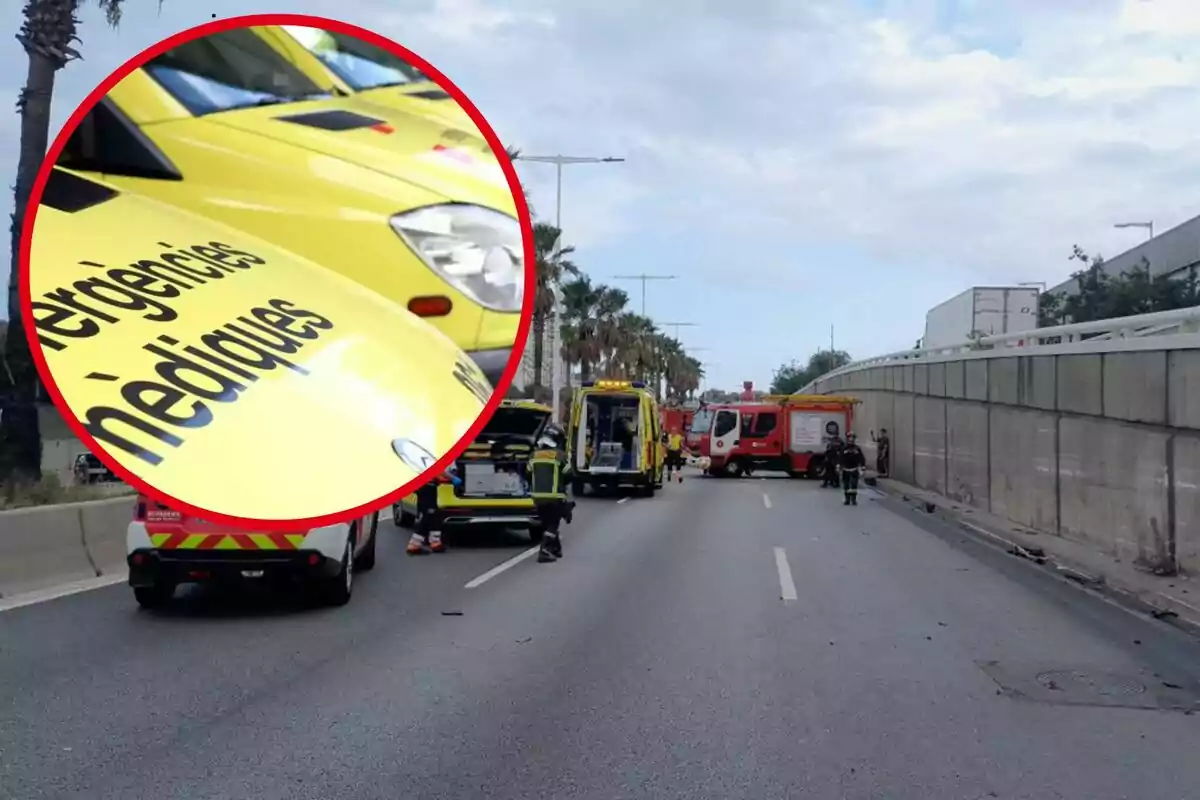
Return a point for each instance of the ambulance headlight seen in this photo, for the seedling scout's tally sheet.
(476, 250)
(413, 455)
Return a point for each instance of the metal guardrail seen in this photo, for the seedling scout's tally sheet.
(1176, 329)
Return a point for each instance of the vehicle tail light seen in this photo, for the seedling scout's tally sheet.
(314, 559)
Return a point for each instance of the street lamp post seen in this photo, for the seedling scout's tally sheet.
(704, 365)
(677, 326)
(1149, 226)
(559, 161)
(644, 278)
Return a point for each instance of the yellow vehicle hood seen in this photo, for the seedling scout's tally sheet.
(238, 378)
(424, 97)
(404, 146)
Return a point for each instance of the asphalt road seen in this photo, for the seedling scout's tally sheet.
(657, 660)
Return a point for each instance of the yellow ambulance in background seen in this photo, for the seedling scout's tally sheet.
(614, 439)
(494, 471)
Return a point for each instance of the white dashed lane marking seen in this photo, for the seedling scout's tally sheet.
(787, 587)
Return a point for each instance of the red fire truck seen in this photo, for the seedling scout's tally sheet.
(699, 434)
(784, 433)
(679, 418)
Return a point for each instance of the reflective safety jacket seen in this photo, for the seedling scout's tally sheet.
(546, 475)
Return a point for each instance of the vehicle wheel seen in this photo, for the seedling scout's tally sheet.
(340, 587)
(735, 469)
(578, 487)
(366, 559)
(648, 490)
(536, 532)
(404, 519)
(155, 596)
(816, 466)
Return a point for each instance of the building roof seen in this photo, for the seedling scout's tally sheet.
(1167, 253)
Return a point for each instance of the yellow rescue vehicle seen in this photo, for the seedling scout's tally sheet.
(495, 477)
(225, 126)
(615, 437)
(236, 377)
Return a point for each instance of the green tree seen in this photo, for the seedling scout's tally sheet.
(514, 154)
(49, 34)
(551, 268)
(589, 322)
(681, 372)
(791, 377)
(824, 361)
(634, 354)
(1100, 295)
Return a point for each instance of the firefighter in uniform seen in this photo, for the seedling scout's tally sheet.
(833, 451)
(674, 464)
(548, 470)
(853, 462)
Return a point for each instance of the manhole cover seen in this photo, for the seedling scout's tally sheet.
(1101, 684)
(1065, 685)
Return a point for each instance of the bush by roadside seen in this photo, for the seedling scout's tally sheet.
(50, 491)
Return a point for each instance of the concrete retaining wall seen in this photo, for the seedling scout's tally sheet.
(1101, 448)
(50, 545)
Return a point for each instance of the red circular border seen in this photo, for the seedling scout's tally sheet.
(256, 20)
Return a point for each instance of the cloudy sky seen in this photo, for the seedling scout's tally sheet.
(797, 165)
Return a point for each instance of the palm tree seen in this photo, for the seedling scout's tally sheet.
(669, 366)
(48, 35)
(578, 325)
(514, 154)
(685, 375)
(551, 268)
(609, 309)
(633, 355)
(589, 323)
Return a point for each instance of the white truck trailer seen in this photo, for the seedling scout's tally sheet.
(981, 311)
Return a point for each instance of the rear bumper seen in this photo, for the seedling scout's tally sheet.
(627, 478)
(149, 566)
(456, 516)
(491, 362)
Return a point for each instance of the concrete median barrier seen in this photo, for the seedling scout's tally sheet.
(104, 525)
(1098, 448)
(46, 546)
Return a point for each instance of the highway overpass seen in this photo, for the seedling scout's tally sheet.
(1088, 431)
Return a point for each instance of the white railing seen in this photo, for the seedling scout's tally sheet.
(1119, 333)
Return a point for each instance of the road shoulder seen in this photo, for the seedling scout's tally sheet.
(1174, 599)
